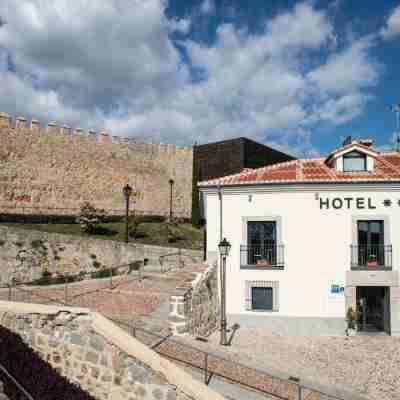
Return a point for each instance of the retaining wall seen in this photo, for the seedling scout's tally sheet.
(91, 351)
(25, 254)
(195, 310)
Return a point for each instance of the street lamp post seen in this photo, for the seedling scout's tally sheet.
(171, 183)
(127, 191)
(224, 247)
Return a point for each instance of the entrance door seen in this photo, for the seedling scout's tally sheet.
(261, 242)
(371, 242)
(373, 306)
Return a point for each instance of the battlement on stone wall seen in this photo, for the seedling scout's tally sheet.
(78, 134)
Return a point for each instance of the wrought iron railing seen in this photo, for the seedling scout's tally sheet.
(371, 256)
(267, 255)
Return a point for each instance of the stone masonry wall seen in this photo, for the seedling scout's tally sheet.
(68, 342)
(55, 167)
(25, 254)
(196, 310)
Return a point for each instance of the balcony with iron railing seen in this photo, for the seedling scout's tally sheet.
(371, 257)
(266, 256)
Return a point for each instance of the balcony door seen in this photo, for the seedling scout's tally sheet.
(371, 243)
(261, 242)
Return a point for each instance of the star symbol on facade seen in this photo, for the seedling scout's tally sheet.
(387, 203)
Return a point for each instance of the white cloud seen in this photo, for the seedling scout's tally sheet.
(348, 70)
(207, 7)
(114, 63)
(392, 27)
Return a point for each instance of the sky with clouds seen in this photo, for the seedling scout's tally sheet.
(297, 75)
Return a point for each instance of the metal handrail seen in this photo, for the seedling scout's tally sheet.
(133, 329)
(32, 288)
(14, 380)
(162, 257)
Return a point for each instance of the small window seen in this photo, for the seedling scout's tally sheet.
(262, 298)
(354, 161)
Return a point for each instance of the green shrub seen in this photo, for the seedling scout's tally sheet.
(45, 279)
(351, 318)
(103, 273)
(90, 218)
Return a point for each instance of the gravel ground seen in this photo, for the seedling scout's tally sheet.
(369, 365)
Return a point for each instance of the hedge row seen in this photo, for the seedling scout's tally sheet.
(38, 378)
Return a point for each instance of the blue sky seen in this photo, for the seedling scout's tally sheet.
(297, 75)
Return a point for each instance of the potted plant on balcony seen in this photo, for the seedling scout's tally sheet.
(263, 263)
(372, 261)
(351, 319)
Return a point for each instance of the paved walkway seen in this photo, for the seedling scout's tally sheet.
(368, 365)
(125, 296)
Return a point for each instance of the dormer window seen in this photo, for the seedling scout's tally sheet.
(354, 162)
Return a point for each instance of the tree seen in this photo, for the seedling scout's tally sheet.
(89, 218)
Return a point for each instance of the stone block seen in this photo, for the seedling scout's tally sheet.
(138, 373)
(92, 357)
(76, 338)
(97, 343)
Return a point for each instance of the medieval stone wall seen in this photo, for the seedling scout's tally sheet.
(57, 167)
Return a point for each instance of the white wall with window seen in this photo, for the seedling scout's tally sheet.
(293, 245)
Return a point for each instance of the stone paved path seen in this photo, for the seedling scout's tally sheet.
(366, 364)
(128, 295)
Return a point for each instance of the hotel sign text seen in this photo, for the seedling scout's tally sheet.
(359, 203)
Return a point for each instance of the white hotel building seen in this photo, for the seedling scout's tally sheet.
(311, 238)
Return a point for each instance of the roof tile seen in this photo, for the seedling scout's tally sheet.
(387, 168)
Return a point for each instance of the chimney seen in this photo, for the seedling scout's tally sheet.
(366, 142)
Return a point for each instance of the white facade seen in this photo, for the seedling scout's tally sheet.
(316, 224)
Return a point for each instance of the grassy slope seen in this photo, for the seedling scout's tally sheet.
(149, 233)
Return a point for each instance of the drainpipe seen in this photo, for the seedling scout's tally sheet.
(220, 212)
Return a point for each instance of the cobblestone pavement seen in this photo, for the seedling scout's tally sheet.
(369, 365)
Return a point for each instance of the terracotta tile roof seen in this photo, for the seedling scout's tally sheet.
(387, 168)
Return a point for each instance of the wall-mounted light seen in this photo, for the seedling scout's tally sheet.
(250, 198)
(316, 195)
